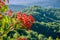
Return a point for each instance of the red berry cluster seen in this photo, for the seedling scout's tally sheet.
(26, 20)
(22, 39)
(1, 3)
(10, 12)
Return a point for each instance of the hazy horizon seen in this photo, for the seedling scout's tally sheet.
(44, 3)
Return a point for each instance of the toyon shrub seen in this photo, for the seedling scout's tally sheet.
(10, 21)
(3, 6)
(22, 39)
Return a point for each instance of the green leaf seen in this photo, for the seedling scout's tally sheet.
(4, 0)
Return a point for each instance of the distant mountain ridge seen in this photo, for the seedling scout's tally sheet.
(47, 3)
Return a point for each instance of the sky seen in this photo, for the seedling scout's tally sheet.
(22, 2)
(47, 3)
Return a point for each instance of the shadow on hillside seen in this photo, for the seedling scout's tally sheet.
(45, 30)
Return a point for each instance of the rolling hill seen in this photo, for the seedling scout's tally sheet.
(47, 20)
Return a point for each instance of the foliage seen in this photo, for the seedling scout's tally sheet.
(10, 23)
(3, 7)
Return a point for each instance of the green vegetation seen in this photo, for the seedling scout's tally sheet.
(4, 9)
(46, 24)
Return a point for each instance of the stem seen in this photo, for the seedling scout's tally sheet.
(1, 37)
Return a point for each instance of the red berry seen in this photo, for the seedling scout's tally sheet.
(10, 12)
(31, 18)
